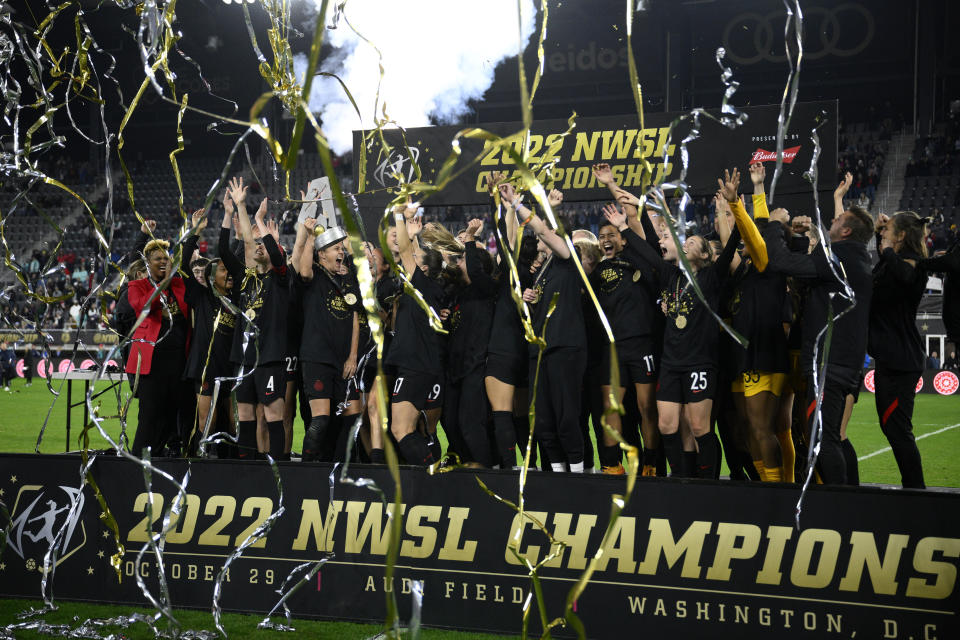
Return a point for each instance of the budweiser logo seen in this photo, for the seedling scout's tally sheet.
(762, 155)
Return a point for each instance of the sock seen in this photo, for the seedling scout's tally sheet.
(313, 438)
(521, 426)
(506, 438)
(433, 443)
(610, 455)
(707, 456)
(772, 474)
(559, 467)
(415, 450)
(761, 471)
(785, 438)
(576, 467)
(377, 457)
(650, 457)
(661, 461)
(688, 464)
(247, 439)
(277, 438)
(674, 450)
(850, 457)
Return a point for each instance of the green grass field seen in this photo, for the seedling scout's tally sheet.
(23, 410)
(936, 424)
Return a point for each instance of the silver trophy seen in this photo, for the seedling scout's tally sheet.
(328, 230)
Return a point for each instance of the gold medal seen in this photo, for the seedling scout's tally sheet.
(251, 314)
(636, 276)
(680, 321)
(351, 299)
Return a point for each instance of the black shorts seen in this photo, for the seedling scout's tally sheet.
(637, 359)
(325, 382)
(508, 369)
(290, 364)
(686, 386)
(219, 366)
(423, 390)
(264, 385)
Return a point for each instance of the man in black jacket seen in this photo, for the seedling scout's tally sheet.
(823, 269)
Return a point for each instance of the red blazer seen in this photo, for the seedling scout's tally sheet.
(138, 292)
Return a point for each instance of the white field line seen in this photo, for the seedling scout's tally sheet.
(926, 435)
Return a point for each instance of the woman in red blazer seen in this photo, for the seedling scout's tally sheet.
(159, 348)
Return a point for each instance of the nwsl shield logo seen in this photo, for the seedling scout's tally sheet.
(39, 515)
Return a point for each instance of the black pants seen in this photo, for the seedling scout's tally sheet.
(467, 419)
(895, 393)
(591, 412)
(158, 394)
(840, 382)
(28, 370)
(557, 404)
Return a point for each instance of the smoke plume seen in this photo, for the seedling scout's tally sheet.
(437, 55)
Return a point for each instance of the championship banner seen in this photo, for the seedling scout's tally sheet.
(616, 140)
(691, 559)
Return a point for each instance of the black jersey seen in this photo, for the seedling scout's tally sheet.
(265, 299)
(849, 343)
(894, 341)
(328, 318)
(627, 298)
(506, 335)
(756, 308)
(207, 311)
(566, 326)
(949, 265)
(415, 345)
(471, 318)
(690, 335)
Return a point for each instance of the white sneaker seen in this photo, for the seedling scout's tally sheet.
(6, 388)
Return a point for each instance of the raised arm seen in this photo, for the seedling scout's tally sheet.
(748, 230)
(539, 227)
(724, 230)
(230, 261)
(509, 217)
(478, 277)
(839, 194)
(238, 194)
(303, 261)
(408, 226)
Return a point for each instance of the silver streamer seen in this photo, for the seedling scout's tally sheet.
(795, 21)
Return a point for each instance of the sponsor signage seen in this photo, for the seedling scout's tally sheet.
(946, 383)
(616, 140)
(692, 559)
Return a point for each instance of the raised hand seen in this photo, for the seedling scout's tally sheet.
(624, 197)
(782, 216)
(843, 187)
(261, 211)
(274, 230)
(729, 184)
(473, 228)
(494, 179)
(228, 208)
(310, 224)
(615, 217)
(882, 220)
(199, 221)
(238, 192)
(603, 173)
(148, 227)
(757, 174)
(555, 197)
(507, 193)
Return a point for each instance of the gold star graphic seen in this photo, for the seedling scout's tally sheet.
(925, 326)
(1, 493)
(3, 566)
(106, 534)
(99, 554)
(89, 571)
(13, 479)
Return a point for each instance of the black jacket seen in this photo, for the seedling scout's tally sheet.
(897, 288)
(949, 265)
(849, 343)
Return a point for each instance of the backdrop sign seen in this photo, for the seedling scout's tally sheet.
(617, 140)
(60, 338)
(689, 559)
